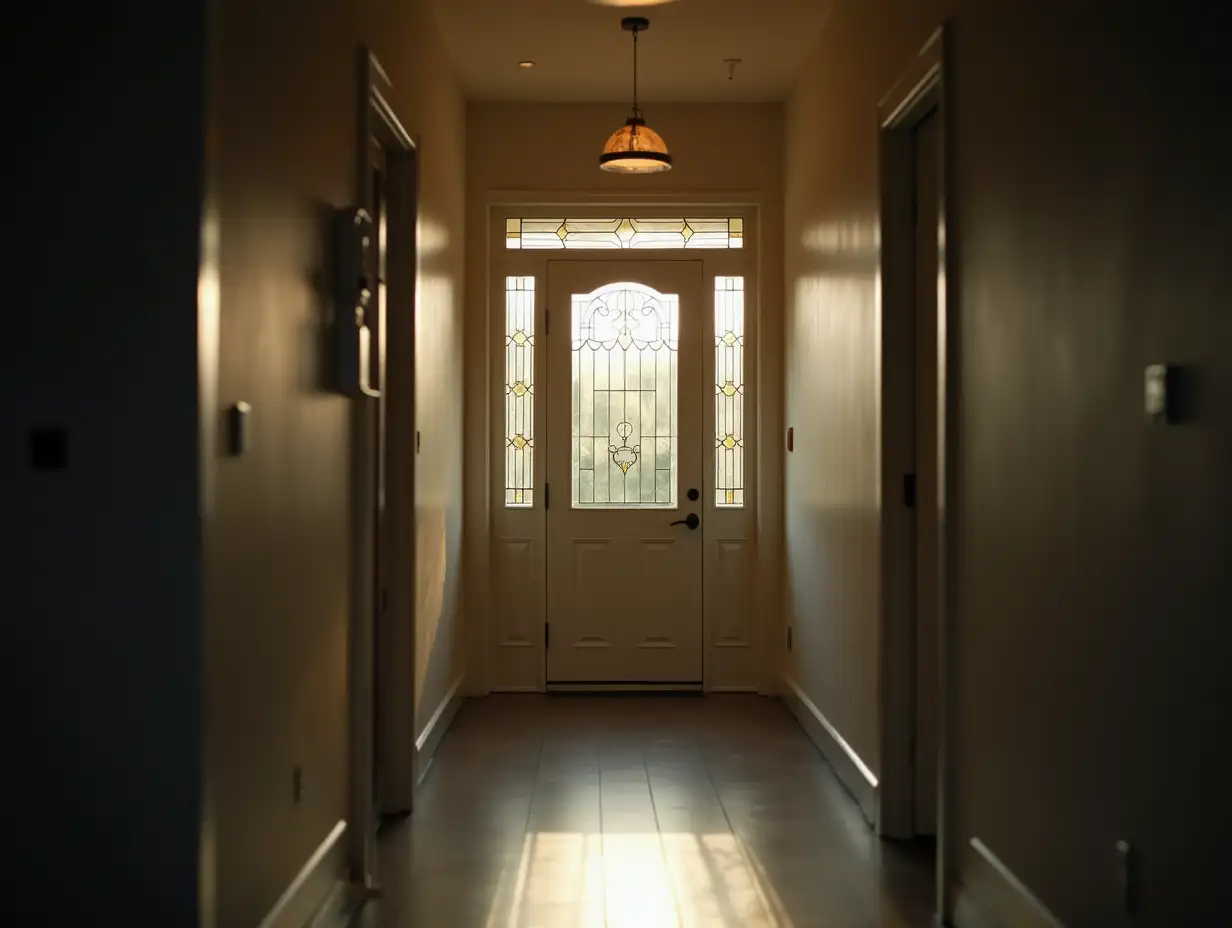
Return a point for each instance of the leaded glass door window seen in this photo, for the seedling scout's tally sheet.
(625, 349)
(627, 441)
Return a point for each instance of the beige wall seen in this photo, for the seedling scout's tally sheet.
(553, 148)
(1091, 206)
(277, 540)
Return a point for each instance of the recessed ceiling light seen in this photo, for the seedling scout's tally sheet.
(528, 64)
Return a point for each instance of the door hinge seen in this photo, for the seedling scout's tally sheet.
(547, 635)
(909, 490)
(547, 496)
(547, 321)
(788, 637)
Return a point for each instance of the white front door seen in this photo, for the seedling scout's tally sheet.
(625, 457)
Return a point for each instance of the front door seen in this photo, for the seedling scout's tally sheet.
(624, 468)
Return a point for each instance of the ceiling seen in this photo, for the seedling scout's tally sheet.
(582, 54)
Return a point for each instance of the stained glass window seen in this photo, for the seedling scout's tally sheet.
(519, 391)
(729, 392)
(625, 354)
(624, 233)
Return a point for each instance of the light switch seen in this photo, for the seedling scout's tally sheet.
(237, 428)
(1158, 403)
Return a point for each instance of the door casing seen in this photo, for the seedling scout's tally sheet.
(748, 665)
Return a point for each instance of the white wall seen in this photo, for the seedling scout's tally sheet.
(278, 534)
(1091, 203)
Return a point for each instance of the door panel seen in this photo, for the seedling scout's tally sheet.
(927, 548)
(625, 444)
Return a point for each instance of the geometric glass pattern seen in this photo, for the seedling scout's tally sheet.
(519, 392)
(625, 341)
(624, 233)
(729, 392)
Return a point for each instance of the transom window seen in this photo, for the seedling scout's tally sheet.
(600, 234)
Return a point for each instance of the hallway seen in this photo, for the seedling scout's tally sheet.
(541, 812)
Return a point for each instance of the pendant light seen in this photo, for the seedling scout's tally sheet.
(635, 148)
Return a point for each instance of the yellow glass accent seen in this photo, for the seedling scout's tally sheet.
(729, 389)
(625, 231)
(729, 443)
(730, 338)
(562, 232)
(731, 497)
(520, 388)
(688, 232)
(519, 338)
(519, 442)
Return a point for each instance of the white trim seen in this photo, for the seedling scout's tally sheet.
(338, 909)
(848, 766)
(581, 198)
(746, 262)
(981, 903)
(430, 739)
(919, 90)
(624, 688)
(293, 908)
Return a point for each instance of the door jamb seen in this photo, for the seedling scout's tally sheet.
(919, 91)
(395, 347)
(768, 479)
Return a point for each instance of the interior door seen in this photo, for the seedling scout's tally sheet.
(625, 454)
(927, 527)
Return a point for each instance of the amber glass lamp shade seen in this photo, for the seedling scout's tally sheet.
(635, 148)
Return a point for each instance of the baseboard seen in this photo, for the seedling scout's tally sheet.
(316, 889)
(633, 689)
(338, 910)
(990, 895)
(427, 743)
(851, 771)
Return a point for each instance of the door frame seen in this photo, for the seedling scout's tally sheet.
(394, 341)
(497, 262)
(920, 90)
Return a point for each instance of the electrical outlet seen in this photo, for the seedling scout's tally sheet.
(297, 784)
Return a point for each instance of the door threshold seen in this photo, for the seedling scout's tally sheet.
(627, 687)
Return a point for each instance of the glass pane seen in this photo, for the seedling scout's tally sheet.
(625, 344)
(519, 392)
(591, 234)
(729, 392)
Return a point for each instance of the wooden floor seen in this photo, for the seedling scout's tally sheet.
(579, 812)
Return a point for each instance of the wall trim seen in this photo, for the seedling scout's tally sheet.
(428, 742)
(990, 895)
(847, 765)
(315, 888)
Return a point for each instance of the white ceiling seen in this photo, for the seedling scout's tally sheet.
(582, 54)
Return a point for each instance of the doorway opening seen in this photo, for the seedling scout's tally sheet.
(917, 393)
(382, 628)
(623, 489)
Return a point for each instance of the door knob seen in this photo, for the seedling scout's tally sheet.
(691, 520)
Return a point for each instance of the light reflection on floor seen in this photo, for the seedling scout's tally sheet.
(640, 813)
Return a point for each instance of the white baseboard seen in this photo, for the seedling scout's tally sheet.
(316, 889)
(990, 895)
(427, 743)
(852, 772)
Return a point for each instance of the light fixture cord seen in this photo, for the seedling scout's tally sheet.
(636, 111)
